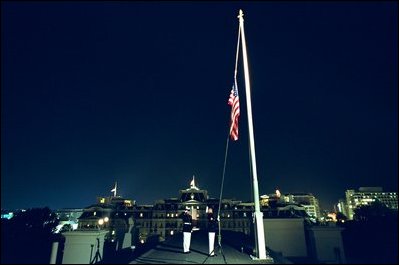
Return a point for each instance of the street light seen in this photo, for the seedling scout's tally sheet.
(102, 221)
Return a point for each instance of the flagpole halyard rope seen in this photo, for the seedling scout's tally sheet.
(236, 67)
(238, 48)
(227, 140)
(224, 171)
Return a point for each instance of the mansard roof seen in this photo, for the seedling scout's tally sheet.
(193, 195)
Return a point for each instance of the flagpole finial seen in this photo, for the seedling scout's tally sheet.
(114, 189)
(192, 183)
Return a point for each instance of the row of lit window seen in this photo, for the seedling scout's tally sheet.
(244, 214)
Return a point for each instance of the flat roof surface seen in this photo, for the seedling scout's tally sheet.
(171, 252)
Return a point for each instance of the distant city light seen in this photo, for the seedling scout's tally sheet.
(7, 215)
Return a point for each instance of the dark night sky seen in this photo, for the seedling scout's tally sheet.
(136, 92)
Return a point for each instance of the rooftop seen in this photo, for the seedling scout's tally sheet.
(171, 251)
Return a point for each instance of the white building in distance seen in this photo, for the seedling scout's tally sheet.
(367, 195)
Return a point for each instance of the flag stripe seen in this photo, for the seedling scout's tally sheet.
(234, 102)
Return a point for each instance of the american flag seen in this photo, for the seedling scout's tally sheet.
(234, 102)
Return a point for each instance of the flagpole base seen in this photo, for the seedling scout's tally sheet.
(267, 258)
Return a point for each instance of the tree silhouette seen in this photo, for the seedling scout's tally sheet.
(372, 212)
(341, 217)
(371, 238)
(27, 237)
(65, 228)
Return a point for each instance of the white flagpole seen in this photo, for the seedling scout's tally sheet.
(261, 246)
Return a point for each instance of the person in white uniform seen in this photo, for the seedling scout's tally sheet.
(212, 228)
(187, 228)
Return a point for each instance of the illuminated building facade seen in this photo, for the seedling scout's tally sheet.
(68, 216)
(114, 214)
(7, 214)
(367, 195)
(162, 220)
(341, 207)
(307, 200)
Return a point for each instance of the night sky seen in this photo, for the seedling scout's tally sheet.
(136, 92)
